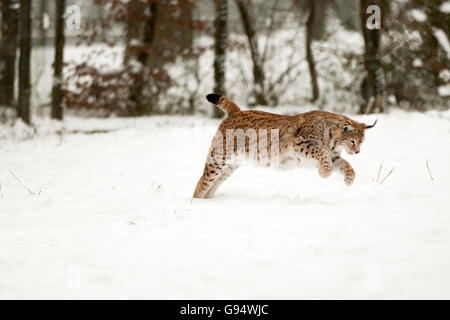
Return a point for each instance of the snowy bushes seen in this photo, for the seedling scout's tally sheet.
(167, 64)
(156, 34)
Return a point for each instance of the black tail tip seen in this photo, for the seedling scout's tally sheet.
(213, 98)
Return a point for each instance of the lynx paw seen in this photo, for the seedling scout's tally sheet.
(349, 177)
(326, 170)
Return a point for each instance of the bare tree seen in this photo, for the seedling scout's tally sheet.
(220, 44)
(372, 90)
(139, 94)
(57, 93)
(245, 7)
(158, 33)
(309, 53)
(24, 61)
(43, 15)
(8, 47)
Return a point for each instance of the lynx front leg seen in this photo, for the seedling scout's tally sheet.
(310, 149)
(345, 168)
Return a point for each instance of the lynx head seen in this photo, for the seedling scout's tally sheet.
(352, 135)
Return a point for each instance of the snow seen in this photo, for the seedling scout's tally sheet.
(418, 15)
(109, 214)
(444, 91)
(417, 63)
(445, 7)
(445, 75)
(443, 40)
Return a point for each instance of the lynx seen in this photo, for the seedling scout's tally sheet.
(316, 137)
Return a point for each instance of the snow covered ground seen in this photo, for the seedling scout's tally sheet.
(109, 214)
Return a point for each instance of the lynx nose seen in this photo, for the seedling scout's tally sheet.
(357, 152)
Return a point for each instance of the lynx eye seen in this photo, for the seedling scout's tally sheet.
(353, 142)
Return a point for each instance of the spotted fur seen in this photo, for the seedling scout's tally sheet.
(317, 136)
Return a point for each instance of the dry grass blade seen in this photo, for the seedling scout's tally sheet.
(387, 176)
(158, 189)
(18, 180)
(429, 171)
(379, 171)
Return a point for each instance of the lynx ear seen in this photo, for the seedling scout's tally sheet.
(368, 127)
(347, 127)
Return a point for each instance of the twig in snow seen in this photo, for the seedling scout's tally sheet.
(387, 176)
(379, 171)
(158, 189)
(429, 171)
(31, 192)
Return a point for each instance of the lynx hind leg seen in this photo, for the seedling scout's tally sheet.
(226, 173)
(213, 176)
(346, 169)
(309, 149)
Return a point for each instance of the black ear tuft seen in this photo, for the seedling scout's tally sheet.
(368, 127)
(213, 98)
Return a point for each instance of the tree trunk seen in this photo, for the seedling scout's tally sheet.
(245, 6)
(220, 45)
(372, 88)
(57, 92)
(149, 32)
(309, 53)
(138, 96)
(43, 13)
(144, 104)
(132, 27)
(436, 19)
(8, 47)
(24, 61)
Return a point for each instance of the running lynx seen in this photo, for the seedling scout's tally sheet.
(317, 137)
